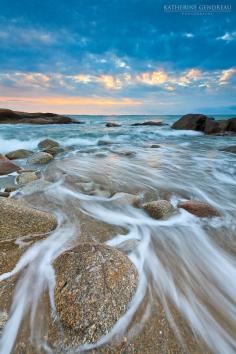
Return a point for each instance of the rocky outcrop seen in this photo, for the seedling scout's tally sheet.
(159, 209)
(18, 154)
(231, 149)
(7, 167)
(40, 158)
(199, 209)
(8, 116)
(94, 285)
(207, 125)
(150, 122)
(17, 219)
(112, 125)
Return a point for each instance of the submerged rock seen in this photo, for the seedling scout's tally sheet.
(7, 167)
(18, 154)
(104, 142)
(122, 198)
(36, 186)
(231, 149)
(199, 208)
(155, 146)
(40, 158)
(112, 125)
(47, 144)
(27, 177)
(17, 219)
(54, 150)
(159, 209)
(94, 285)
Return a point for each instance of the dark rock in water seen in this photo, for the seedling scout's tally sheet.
(231, 149)
(40, 158)
(47, 144)
(155, 146)
(112, 125)
(159, 209)
(17, 219)
(199, 208)
(150, 122)
(8, 116)
(18, 154)
(7, 167)
(94, 285)
(104, 142)
(202, 123)
(4, 194)
(191, 122)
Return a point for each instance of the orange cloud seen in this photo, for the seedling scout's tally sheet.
(226, 75)
(153, 78)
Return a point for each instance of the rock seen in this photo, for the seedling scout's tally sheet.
(112, 125)
(17, 219)
(128, 246)
(198, 208)
(150, 122)
(7, 167)
(231, 149)
(54, 150)
(191, 122)
(27, 177)
(3, 158)
(4, 194)
(129, 153)
(40, 158)
(104, 142)
(8, 116)
(47, 144)
(10, 188)
(127, 199)
(155, 146)
(3, 320)
(159, 209)
(94, 285)
(18, 154)
(200, 122)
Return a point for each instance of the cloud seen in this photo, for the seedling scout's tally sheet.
(226, 75)
(227, 37)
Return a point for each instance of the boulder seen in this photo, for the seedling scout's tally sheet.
(199, 209)
(8, 116)
(155, 146)
(232, 125)
(17, 219)
(94, 286)
(158, 209)
(112, 125)
(231, 149)
(7, 167)
(4, 194)
(47, 144)
(40, 158)
(216, 126)
(191, 122)
(54, 150)
(18, 154)
(27, 177)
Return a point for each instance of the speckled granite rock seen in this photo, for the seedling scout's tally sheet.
(27, 177)
(94, 285)
(18, 154)
(159, 209)
(7, 167)
(198, 208)
(17, 219)
(40, 158)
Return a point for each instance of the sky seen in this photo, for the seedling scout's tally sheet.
(118, 56)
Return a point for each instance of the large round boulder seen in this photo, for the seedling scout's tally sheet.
(40, 158)
(17, 219)
(94, 286)
(47, 144)
(199, 209)
(7, 167)
(191, 122)
(18, 154)
(159, 209)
